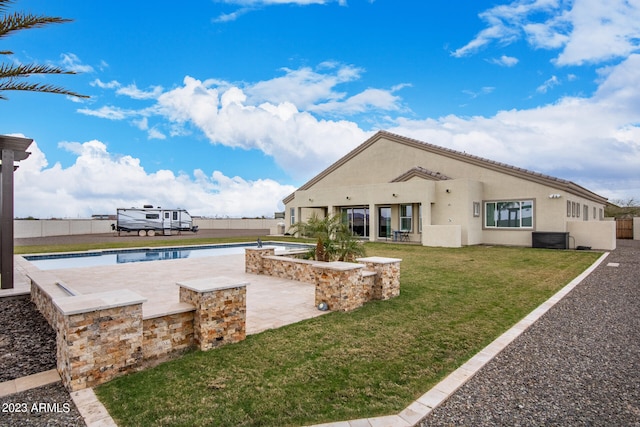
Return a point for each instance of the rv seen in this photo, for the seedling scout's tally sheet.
(149, 220)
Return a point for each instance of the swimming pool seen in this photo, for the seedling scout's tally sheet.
(123, 256)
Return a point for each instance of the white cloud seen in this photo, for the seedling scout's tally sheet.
(505, 61)
(71, 62)
(113, 84)
(251, 5)
(111, 113)
(297, 140)
(592, 141)
(100, 182)
(281, 116)
(548, 84)
(304, 87)
(586, 30)
(133, 92)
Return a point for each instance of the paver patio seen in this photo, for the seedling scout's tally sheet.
(271, 302)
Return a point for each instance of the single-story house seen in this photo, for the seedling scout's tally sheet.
(396, 188)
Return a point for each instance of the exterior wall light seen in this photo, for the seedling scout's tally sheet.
(394, 195)
(348, 198)
(448, 191)
(554, 196)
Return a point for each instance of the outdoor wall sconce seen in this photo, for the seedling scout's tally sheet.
(554, 196)
(348, 198)
(448, 191)
(311, 200)
(394, 195)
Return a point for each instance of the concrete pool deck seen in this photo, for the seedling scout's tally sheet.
(271, 302)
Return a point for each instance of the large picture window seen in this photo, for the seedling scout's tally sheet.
(509, 214)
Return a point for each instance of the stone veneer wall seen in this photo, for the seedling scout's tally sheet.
(340, 285)
(343, 286)
(221, 310)
(103, 335)
(167, 334)
(98, 337)
(387, 278)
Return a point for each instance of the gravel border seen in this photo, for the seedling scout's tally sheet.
(28, 346)
(578, 365)
(27, 342)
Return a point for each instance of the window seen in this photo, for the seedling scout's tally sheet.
(153, 216)
(568, 209)
(578, 210)
(292, 214)
(585, 216)
(594, 212)
(175, 215)
(406, 217)
(509, 214)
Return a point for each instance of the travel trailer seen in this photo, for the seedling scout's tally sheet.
(148, 221)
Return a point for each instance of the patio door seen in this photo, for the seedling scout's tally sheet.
(384, 222)
(357, 219)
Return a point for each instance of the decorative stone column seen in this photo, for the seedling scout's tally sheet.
(221, 310)
(339, 285)
(99, 337)
(253, 259)
(387, 281)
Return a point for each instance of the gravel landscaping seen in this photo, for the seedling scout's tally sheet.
(579, 365)
(28, 346)
(27, 342)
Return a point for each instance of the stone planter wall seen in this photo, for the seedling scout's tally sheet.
(221, 310)
(343, 286)
(167, 334)
(104, 335)
(387, 278)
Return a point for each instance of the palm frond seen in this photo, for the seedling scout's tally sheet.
(35, 87)
(19, 21)
(25, 70)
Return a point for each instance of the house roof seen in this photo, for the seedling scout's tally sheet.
(420, 172)
(558, 183)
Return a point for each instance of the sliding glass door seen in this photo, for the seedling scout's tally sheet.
(384, 222)
(357, 219)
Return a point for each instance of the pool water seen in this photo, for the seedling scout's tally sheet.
(123, 256)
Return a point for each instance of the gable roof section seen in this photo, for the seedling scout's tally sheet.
(536, 177)
(420, 173)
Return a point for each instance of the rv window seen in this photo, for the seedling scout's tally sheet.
(166, 215)
(153, 216)
(175, 216)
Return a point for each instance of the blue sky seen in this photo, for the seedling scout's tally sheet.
(224, 107)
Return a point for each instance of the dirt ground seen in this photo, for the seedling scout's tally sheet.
(111, 237)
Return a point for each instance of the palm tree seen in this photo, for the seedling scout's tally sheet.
(334, 240)
(11, 75)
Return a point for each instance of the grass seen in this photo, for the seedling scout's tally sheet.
(370, 362)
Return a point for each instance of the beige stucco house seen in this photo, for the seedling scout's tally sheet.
(397, 188)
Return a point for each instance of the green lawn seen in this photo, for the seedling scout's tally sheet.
(370, 362)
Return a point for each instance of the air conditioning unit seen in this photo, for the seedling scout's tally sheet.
(550, 240)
